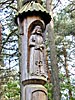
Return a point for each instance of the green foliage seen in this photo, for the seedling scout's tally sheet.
(12, 90)
(49, 89)
(65, 38)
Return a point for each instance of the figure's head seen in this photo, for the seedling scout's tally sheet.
(37, 29)
(37, 26)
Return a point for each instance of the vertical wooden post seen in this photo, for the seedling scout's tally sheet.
(33, 69)
(32, 24)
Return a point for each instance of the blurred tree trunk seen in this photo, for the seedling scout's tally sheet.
(54, 66)
(19, 5)
(0, 38)
(67, 71)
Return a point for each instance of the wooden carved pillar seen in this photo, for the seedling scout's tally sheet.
(34, 68)
(33, 52)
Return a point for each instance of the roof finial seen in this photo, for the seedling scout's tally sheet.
(26, 1)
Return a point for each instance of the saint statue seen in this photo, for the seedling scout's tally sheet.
(37, 52)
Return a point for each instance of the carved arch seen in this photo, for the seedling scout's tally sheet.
(30, 29)
(41, 94)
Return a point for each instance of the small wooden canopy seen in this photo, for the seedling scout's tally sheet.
(33, 9)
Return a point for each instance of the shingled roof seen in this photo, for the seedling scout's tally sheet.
(31, 9)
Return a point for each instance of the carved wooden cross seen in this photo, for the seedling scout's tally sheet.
(39, 64)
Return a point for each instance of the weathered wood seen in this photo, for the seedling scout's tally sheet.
(37, 58)
(34, 69)
(32, 23)
(35, 92)
(31, 55)
(26, 1)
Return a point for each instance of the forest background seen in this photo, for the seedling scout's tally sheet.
(60, 43)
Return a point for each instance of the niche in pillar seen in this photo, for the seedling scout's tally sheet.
(40, 94)
(37, 67)
(36, 92)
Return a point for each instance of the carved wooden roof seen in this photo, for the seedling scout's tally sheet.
(33, 8)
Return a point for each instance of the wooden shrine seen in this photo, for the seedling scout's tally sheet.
(32, 19)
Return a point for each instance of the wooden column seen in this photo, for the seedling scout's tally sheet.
(32, 22)
(34, 68)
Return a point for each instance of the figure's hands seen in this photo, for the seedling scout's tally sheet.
(42, 46)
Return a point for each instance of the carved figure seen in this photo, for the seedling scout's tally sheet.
(37, 50)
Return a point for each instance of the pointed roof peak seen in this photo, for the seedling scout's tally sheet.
(26, 1)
